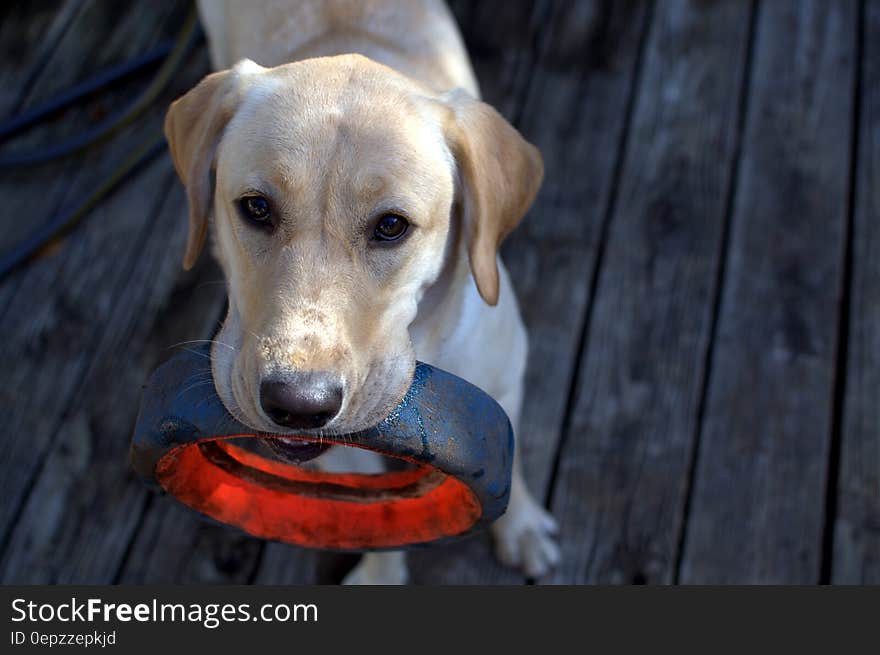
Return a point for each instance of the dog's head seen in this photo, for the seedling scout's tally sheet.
(333, 183)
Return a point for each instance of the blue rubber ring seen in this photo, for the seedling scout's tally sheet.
(443, 422)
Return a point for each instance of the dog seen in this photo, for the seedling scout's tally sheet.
(358, 191)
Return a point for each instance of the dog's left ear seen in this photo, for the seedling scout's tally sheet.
(500, 174)
(193, 127)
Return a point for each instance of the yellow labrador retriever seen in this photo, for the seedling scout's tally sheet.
(359, 191)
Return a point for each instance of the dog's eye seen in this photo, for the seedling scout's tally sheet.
(255, 208)
(390, 227)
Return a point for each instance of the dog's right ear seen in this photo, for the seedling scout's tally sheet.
(193, 126)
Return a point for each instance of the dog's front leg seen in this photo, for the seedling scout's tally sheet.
(374, 568)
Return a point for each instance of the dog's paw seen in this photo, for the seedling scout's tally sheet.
(524, 538)
(379, 569)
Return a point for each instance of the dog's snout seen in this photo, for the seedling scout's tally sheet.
(302, 401)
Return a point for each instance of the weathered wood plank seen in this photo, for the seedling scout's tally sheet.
(170, 551)
(102, 34)
(22, 25)
(574, 112)
(32, 195)
(856, 553)
(86, 503)
(79, 288)
(288, 565)
(759, 489)
(502, 48)
(31, 433)
(35, 193)
(623, 468)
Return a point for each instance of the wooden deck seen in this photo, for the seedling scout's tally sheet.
(700, 276)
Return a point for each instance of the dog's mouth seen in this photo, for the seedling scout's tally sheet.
(366, 405)
(295, 451)
(285, 449)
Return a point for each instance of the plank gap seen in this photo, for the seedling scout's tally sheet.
(839, 388)
(129, 547)
(607, 214)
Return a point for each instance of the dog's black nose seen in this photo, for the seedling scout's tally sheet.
(302, 401)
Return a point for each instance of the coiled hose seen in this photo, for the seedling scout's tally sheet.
(63, 223)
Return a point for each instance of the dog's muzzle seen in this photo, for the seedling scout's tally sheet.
(459, 439)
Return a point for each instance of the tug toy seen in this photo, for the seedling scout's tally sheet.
(456, 436)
